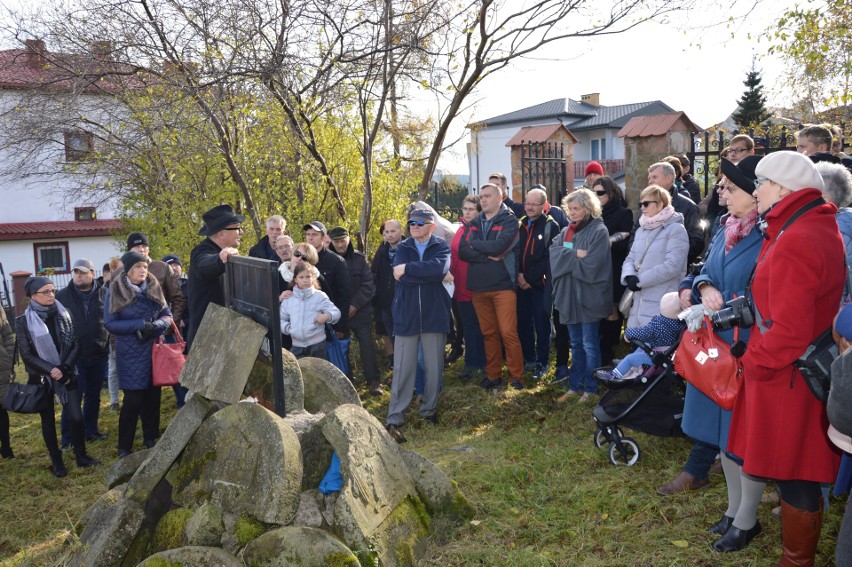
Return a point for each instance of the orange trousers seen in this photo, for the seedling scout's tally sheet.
(498, 321)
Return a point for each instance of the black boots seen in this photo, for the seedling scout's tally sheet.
(58, 465)
(83, 458)
(6, 452)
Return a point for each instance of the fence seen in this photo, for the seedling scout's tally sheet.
(544, 163)
(706, 147)
(251, 289)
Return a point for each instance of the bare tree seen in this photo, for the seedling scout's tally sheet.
(487, 35)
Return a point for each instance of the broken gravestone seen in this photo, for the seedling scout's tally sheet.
(259, 385)
(168, 449)
(437, 491)
(244, 459)
(326, 387)
(293, 545)
(109, 535)
(222, 354)
(378, 503)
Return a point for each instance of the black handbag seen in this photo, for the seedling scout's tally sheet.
(28, 398)
(815, 364)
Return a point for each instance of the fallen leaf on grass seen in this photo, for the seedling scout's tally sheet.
(680, 543)
(475, 522)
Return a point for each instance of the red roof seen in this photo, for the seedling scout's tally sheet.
(655, 125)
(537, 134)
(33, 67)
(58, 229)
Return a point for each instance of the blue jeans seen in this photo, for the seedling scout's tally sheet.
(701, 458)
(474, 349)
(90, 380)
(534, 324)
(586, 354)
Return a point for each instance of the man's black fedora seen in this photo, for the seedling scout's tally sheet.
(218, 218)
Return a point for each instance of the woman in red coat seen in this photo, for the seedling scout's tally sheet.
(778, 427)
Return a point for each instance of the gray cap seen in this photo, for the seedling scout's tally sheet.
(84, 265)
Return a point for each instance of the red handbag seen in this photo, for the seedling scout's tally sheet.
(705, 361)
(167, 360)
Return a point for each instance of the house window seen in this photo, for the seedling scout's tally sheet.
(603, 148)
(84, 213)
(78, 145)
(51, 257)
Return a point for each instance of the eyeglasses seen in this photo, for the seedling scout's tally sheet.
(298, 254)
(418, 222)
(645, 204)
(239, 228)
(600, 193)
(759, 180)
(737, 150)
(47, 292)
(533, 204)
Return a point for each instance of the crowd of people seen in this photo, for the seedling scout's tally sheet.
(507, 281)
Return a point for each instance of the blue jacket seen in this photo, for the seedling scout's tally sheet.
(132, 358)
(729, 273)
(421, 303)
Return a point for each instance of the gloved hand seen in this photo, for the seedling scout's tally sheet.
(147, 332)
(694, 317)
(632, 283)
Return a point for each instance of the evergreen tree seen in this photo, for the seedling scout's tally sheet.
(752, 105)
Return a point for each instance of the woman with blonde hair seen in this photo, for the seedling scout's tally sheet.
(656, 262)
(581, 267)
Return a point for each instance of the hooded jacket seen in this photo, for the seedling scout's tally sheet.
(299, 312)
(88, 319)
(533, 260)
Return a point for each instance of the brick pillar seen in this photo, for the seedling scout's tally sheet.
(18, 279)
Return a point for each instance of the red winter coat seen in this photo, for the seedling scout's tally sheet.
(778, 427)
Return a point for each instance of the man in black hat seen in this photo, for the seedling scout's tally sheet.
(361, 305)
(333, 270)
(222, 227)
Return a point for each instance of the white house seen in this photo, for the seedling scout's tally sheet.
(593, 125)
(46, 221)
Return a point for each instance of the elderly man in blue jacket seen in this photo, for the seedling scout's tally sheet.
(421, 317)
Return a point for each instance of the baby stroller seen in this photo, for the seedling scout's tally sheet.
(651, 402)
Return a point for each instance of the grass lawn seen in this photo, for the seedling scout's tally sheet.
(543, 493)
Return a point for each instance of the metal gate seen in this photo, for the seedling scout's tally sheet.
(544, 163)
(706, 147)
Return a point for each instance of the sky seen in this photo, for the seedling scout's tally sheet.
(688, 63)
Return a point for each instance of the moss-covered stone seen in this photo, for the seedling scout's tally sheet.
(160, 562)
(169, 533)
(341, 560)
(247, 529)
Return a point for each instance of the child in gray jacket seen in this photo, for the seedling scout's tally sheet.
(305, 313)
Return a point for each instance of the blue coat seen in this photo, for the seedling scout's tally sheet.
(421, 303)
(132, 358)
(702, 418)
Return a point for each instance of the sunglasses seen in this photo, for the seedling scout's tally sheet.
(298, 254)
(418, 222)
(239, 228)
(645, 204)
(600, 193)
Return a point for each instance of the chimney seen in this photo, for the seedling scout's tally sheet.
(101, 50)
(35, 51)
(594, 99)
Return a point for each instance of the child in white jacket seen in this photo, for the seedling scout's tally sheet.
(305, 313)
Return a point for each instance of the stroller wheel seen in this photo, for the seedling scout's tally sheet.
(607, 435)
(625, 452)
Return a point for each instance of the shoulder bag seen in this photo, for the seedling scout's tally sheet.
(705, 361)
(167, 360)
(28, 398)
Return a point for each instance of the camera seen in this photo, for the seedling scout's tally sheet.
(737, 312)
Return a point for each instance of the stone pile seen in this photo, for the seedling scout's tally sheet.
(231, 483)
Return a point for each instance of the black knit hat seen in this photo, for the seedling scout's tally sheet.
(131, 258)
(135, 239)
(35, 283)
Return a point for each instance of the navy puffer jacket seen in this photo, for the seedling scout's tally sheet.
(126, 311)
